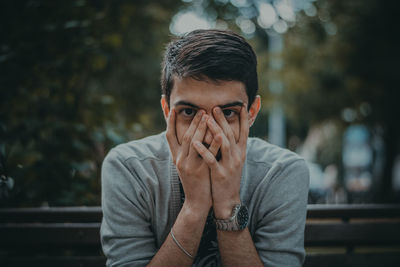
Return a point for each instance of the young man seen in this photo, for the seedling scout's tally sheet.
(203, 193)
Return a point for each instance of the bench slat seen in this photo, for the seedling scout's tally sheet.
(352, 260)
(362, 233)
(68, 234)
(321, 234)
(91, 261)
(49, 215)
(94, 214)
(345, 211)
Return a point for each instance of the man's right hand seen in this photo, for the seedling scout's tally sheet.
(192, 170)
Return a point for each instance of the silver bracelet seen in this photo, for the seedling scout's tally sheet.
(179, 245)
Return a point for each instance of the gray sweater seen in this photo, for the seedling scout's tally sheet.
(141, 200)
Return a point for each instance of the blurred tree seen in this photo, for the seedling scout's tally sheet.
(340, 63)
(343, 61)
(77, 77)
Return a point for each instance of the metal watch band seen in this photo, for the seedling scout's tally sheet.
(232, 224)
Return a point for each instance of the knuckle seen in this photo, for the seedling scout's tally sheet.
(179, 163)
(186, 138)
(192, 143)
(211, 161)
(236, 162)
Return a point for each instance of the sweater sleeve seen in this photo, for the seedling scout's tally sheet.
(126, 235)
(279, 234)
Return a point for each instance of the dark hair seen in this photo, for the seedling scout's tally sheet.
(210, 54)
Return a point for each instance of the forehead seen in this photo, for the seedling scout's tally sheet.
(207, 93)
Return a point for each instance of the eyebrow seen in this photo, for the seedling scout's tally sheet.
(232, 104)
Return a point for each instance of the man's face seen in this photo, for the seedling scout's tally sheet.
(189, 96)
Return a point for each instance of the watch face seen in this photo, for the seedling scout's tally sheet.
(242, 217)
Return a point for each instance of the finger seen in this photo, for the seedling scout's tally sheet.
(207, 156)
(244, 127)
(220, 118)
(218, 134)
(187, 137)
(171, 132)
(215, 129)
(199, 134)
(215, 145)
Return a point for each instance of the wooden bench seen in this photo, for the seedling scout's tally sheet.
(335, 235)
(352, 235)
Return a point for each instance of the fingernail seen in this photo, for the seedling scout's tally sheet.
(204, 118)
(217, 110)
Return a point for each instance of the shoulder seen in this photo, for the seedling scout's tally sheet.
(136, 169)
(152, 147)
(269, 155)
(268, 164)
(141, 162)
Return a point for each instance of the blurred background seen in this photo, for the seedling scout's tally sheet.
(79, 77)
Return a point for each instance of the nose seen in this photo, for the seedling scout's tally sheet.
(208, 137)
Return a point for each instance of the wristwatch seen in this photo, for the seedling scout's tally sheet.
(238, 220)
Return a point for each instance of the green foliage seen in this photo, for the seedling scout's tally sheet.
(343, 57)
(78, 77)
(75, 75)
(347, 57)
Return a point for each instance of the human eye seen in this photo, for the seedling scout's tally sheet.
(229, 113)
(188, 112)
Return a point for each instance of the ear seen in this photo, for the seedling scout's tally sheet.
(164, 106)
(254, 109)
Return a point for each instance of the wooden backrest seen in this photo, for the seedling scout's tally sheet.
(70, 236)
(351, 225)
(69, 226)
(352, 235)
